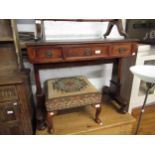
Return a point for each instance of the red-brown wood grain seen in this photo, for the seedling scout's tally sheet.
(69, 51)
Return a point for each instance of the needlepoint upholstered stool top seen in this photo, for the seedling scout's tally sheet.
(64, 93)
(70, 92)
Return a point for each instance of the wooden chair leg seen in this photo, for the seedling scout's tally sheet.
(50, 122)
(98, 111)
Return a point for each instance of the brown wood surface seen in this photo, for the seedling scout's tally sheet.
(85, 51)
(45, 54)
(15, 100)
(8, 60)
(80, 122)
(127, 77)
(71, 51)
(9, 78)
(5, 29)
(16, 106)
(8, 56)
(79, 41)
(147, 126)
(121, 50)
(15, 113)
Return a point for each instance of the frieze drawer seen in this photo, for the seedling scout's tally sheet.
(45, 54)
(121, 50)
(86, 52)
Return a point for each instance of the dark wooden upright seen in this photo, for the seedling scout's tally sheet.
(45, 55)
(15, 93)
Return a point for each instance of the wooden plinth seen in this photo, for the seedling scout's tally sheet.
(80, 122)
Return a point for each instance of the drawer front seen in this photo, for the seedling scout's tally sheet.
(45, 54)
(86, 52)
(8, 93)
(121, 50)
(9, 111)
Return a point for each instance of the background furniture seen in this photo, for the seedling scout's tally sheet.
(43, 55)
(133, 91)
(146, 73)
(142, 29)
(70, 92)
(15, 94)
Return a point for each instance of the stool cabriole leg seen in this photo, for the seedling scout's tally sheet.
(50, 122)
(98, 111)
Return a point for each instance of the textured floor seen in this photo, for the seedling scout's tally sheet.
(148, 120)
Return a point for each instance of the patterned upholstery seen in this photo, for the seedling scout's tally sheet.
(70, 92)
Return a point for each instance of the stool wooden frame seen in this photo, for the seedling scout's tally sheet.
(51, 114)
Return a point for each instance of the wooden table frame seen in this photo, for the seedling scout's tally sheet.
(116, 51)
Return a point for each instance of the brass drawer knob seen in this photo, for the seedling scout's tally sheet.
(49, 54)
(88, 52)
(121, 50)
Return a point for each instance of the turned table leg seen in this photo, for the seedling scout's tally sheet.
(50, 122)
(98, 111)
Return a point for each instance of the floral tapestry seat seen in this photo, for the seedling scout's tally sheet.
(70, 92)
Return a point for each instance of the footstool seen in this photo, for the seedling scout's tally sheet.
(70, 92)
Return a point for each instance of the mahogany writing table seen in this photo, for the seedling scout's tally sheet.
(56, 54)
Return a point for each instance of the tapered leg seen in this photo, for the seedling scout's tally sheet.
(98, 111)
(50, 122)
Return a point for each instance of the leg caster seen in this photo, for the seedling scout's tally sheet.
(98, 111)
(50, 122)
